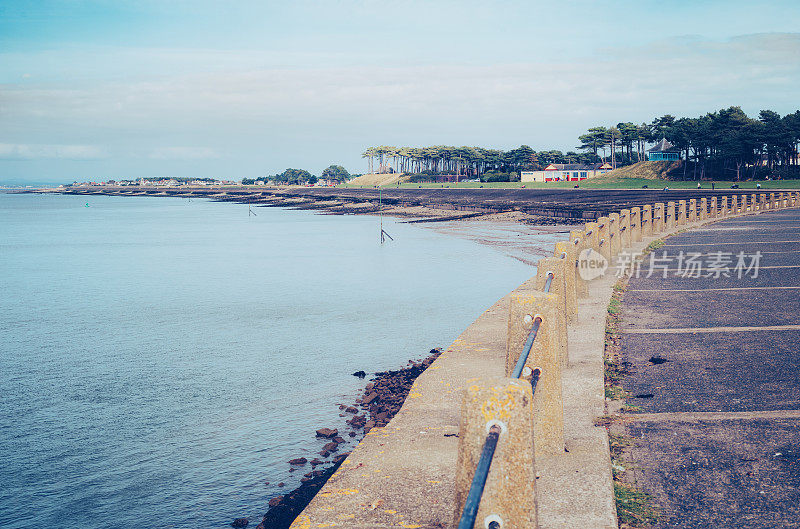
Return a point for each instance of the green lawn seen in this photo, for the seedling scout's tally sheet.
(606, 183)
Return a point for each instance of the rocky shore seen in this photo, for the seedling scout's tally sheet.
(379, 401)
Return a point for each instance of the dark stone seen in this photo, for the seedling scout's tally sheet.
(281, 484)
(314, 462)
(351, 409)
(277, 500)
(240, 522)
(331, 447)
(369, 398)
(327, 432)
(341, 457)
(352, 434)
(359, 374)
(298, 461)
(656, 360)
(324, 453)
(338, 439)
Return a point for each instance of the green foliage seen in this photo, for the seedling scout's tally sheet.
(293, 177)
(634, 507)
(497, 176)
(718, 145)
(336, 173)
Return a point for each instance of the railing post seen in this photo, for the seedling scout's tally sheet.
(548, 410)
(567, 253)
(703, 212)
(647, 220)
(772, 203)
(557, 288)
(753, 203)
(625, 229)
(734, 205)
(659, 218)
(603, 244)
(510, 491)
(579, 241)
(692, 215)
(681, 220)
(636, 224)
(613, 234)
(762, 202)
(669, 216)
(713, 212)
(723, 209)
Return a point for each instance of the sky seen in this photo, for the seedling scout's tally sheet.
(112, 89)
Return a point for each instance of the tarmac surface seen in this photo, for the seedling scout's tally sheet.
(714, 367)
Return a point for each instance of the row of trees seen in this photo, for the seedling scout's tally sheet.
(719, 144)
(333, 173)
(466, 161)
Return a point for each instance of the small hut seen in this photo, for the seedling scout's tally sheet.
(663, 151)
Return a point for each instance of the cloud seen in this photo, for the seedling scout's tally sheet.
(18, 151)
(183, 153)
(270, 116)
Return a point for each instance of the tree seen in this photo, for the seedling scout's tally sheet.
(293, 177)
(336, 173)
(593, 140)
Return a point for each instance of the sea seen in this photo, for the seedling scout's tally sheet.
(161, 359)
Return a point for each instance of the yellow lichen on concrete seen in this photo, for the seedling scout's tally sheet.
(301, 522)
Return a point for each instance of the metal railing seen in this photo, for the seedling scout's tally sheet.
(473, 501)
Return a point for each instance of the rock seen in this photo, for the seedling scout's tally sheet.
(298, 461)
(305, 480)
(369, 386)
(281, 484)
(266, 483)
(369, 424)
(357, 421)
(277, 500)
(369, 398)
(359, 374)
(331, 447)
(316, 461)
(351, 409)
(352, 434)
(327, 432)
(367, 429)
(324, 453)
(338, 439)
(240, 522)
(341, 457)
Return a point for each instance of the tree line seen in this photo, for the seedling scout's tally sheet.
(464, 161)
(333, 173)
(722, 144)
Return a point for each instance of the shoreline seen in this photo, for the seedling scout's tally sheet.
(531, 206)
(378, 403)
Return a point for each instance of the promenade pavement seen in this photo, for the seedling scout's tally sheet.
(714, 367)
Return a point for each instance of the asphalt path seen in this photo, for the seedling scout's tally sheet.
(714, 361)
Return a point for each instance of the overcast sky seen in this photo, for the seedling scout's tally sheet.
(101, 89)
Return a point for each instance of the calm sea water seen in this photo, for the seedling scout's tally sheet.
(161, 359)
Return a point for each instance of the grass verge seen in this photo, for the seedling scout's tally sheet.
(635, 508)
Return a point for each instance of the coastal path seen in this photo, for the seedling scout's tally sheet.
(713, 378)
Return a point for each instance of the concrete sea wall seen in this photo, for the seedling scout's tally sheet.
(552, 467)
